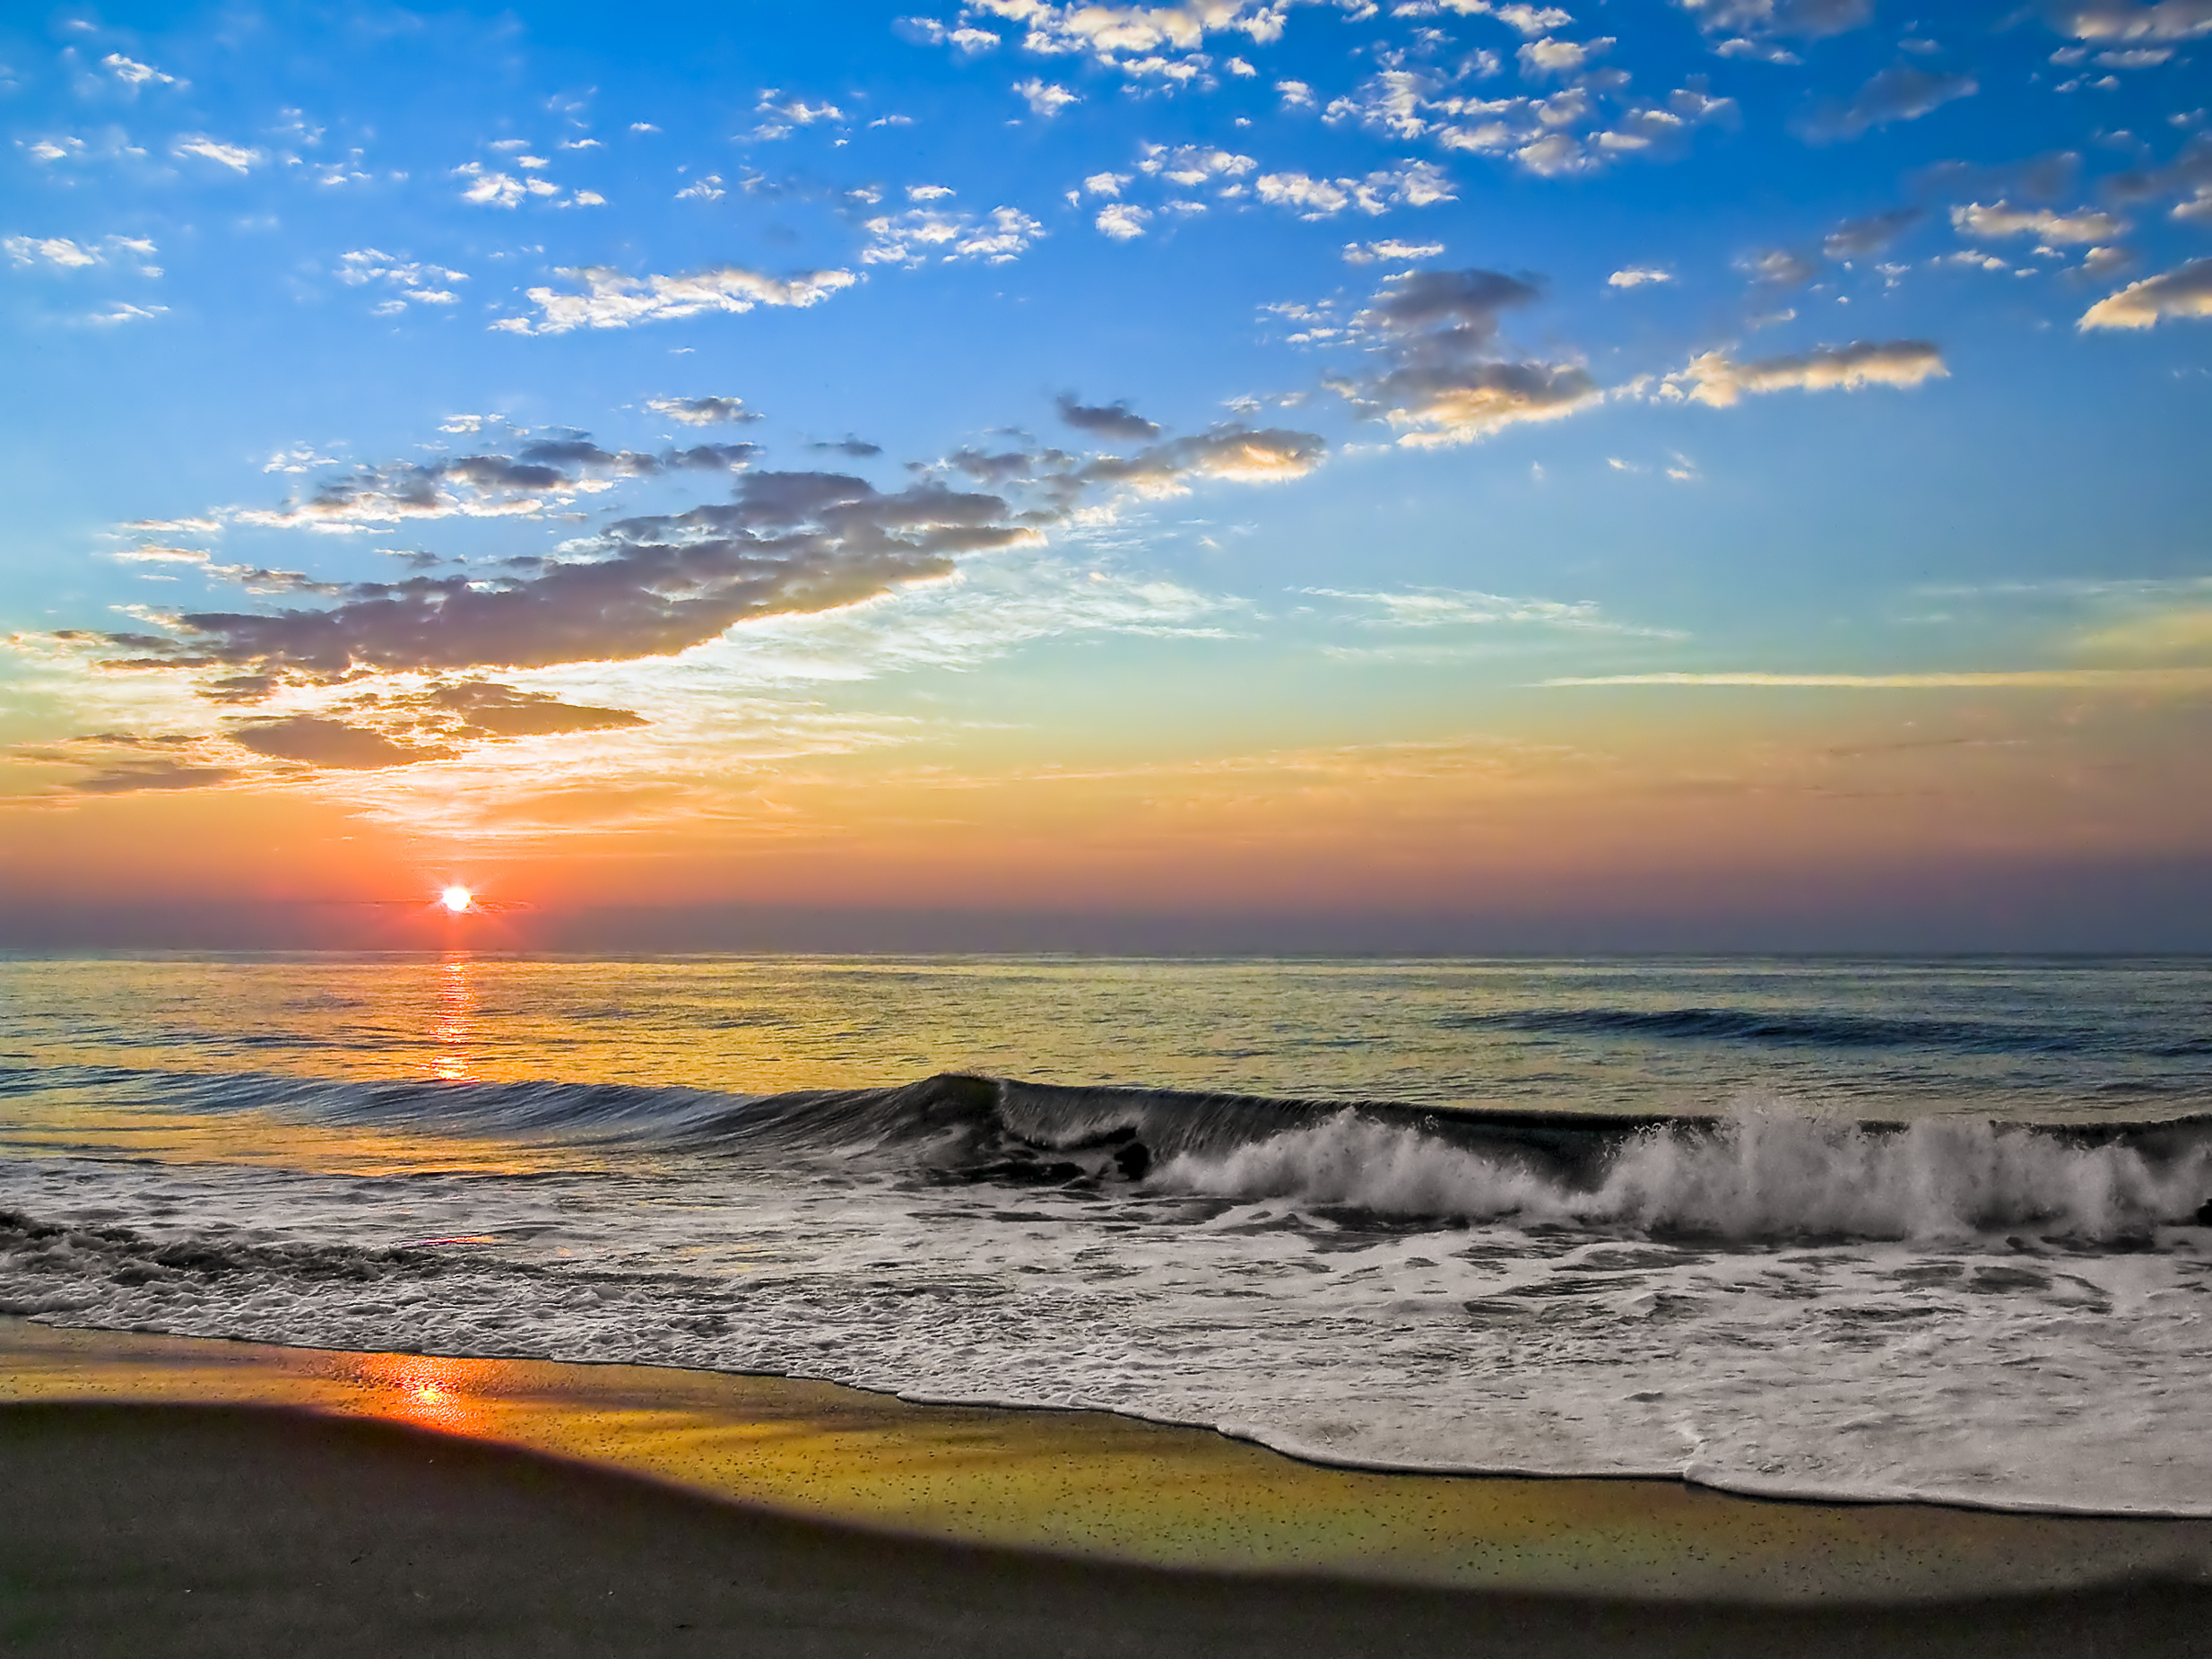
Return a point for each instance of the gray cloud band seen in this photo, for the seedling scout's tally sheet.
(787, 543)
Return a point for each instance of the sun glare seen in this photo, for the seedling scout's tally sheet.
(456, 899)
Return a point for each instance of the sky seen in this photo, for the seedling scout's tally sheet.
(1233, 475)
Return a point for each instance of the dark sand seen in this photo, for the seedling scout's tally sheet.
(318, 1503)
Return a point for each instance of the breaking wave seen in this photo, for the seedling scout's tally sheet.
(1760, 1172)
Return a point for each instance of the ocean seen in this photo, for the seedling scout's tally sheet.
(1846, 1229)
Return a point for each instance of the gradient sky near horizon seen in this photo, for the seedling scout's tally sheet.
(1330, 456)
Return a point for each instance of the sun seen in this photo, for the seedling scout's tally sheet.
(456, 899)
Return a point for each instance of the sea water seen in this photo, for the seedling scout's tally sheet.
(1836, 1229)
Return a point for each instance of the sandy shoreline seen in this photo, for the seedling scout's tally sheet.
(161, 1470)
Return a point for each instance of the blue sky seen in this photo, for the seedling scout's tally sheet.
(818, 454)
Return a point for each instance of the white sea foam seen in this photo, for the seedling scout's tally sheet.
(1959, 1310)
(1761, 1173)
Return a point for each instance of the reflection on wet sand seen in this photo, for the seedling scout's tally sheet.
(424, 1390)
(1087, 1484)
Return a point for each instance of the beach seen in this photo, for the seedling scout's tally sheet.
(180, 1496)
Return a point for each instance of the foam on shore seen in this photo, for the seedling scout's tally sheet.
(1101, 1487)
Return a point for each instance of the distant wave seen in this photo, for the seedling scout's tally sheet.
(1824, 1031)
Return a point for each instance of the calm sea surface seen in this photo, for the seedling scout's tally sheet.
(1838, 1228)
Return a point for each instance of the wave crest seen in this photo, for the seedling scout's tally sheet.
(1759, 1173)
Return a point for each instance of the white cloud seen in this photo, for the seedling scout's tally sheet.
(706, 187)
(2050, 228)
(1636, 276)
(491, 189)
(418, 282)
(2125, 19)
(1549, 57)
(1105, 184)
(133, 74)
(1045, 97)
(1369, 253)
(611, 299)
(63, 254)
(702, 410)
(127, 314)
(1718, 380)
(1122, 220)
(2186, 290)
(1314, 198)
(1192, 165)
(1411, 184)
(1750, 21)
(238, 158)
(1778, 267)
(913, 237)
(1451, 607)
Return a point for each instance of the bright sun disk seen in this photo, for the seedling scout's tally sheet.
(456, 899)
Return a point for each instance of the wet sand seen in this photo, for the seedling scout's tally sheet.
(172, 1495)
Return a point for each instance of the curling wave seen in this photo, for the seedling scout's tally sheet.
(1759, 1172)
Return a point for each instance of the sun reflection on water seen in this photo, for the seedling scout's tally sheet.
(452, 1025)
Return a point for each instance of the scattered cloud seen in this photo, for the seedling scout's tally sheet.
(1122, 220)
(2186, 290)
(611, 299)
(1410, 184)
(650, 587)
(702, 410)
(424, 283)
(1864, 238)
(1899, 93)
(1113, 420)
(1044, 98)
(1778, 267)
(920, 234)
(1582, 125)
(1372, 253)
(1717, 378)
(1636, 276)
(1193, 165)
(1742, 23)
(134, 75)
(238, 158)
(2130, 20)
(2050, 228)
(62, 254)
(541, 473)
(155, 772)
(1452, 607)
(333, 743)
(1445, 378)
